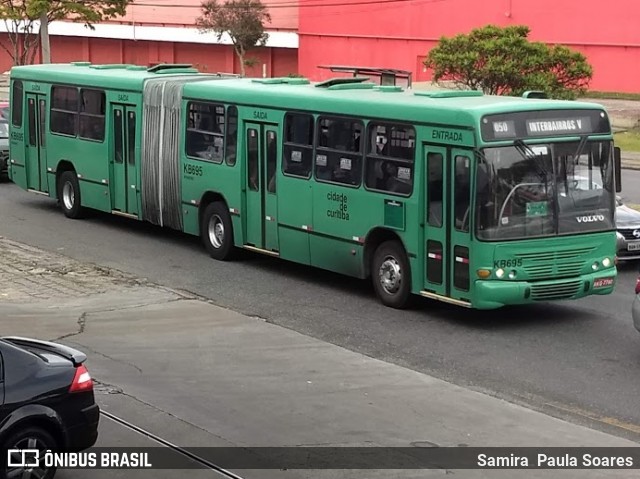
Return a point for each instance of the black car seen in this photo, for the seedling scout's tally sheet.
(46, 402)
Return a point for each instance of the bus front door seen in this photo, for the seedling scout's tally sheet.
(124, 170)
(35, 154)
(447, 223)
(261, 227)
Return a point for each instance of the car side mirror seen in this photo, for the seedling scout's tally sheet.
(617, 158)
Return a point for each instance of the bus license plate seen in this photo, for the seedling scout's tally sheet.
(602, 282)
(633, 246)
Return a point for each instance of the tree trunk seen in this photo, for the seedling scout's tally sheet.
(44, 38)
(243, 71)
(241, 53)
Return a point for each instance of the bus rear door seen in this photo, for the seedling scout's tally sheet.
(261, 143)
(124, 174)
(35, 152)
(447, 223)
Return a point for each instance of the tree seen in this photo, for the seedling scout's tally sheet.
(242, 20)
(22, 16)
(502, 61)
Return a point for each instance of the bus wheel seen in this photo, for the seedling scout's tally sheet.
(391, 274)
(69, 195)
(216, 231)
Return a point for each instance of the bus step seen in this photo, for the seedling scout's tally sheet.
(439, 297)
(260, 250)
(122, 213)
(37, 192)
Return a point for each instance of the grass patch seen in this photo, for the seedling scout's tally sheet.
(611, 95)
(628, 140)
(634, 206)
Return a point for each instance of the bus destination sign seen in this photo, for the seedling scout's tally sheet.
(537, 124)
(567, 125)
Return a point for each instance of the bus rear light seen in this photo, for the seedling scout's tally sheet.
(483, 273)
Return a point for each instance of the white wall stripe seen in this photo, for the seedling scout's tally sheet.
(160, 34)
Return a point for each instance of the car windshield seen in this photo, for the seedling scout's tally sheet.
(526, 191)
(4, 129)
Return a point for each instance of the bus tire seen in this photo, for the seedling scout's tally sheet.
(391, 274)
(216, 231)
(69, 195)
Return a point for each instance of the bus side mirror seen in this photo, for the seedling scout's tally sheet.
(618, 168)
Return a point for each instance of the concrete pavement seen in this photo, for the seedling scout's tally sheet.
(200, 375)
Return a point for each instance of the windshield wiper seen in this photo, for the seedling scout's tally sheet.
(583, 141)
(525, 150)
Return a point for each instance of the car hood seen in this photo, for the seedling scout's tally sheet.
(627, 217)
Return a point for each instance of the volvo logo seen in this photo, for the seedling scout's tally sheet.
(636, 233)
(589, 219)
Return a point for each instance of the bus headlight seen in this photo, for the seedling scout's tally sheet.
(606, 262)
(595, 266)
(513, 274)
(499, 273)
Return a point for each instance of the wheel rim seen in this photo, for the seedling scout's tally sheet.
(390, 275)
(31, 472)
(216, 231)
(68, 195)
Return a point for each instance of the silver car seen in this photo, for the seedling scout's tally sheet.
(628, 226)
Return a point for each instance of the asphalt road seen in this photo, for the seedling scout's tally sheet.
(631, 186)
(578, 360)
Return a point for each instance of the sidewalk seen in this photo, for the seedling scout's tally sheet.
(250, 383)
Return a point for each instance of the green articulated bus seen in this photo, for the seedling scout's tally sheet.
(476, 200)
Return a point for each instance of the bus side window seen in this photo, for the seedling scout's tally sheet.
(435, 186)
(92, 112)
(462, 193)
(64, 110)
(390, 158)
(297, 155)
(339, 155)
(231, 135)
(17, 99)
(205, 137)
(272, 158)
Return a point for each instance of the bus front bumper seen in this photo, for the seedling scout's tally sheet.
(491, 294)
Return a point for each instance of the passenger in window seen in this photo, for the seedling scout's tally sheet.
(381, 145)
(388, 172)
(356, 139)
(340, 175)
(393, 183)
(324, 137)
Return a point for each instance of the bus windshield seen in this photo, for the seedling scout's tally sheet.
(529, 191)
